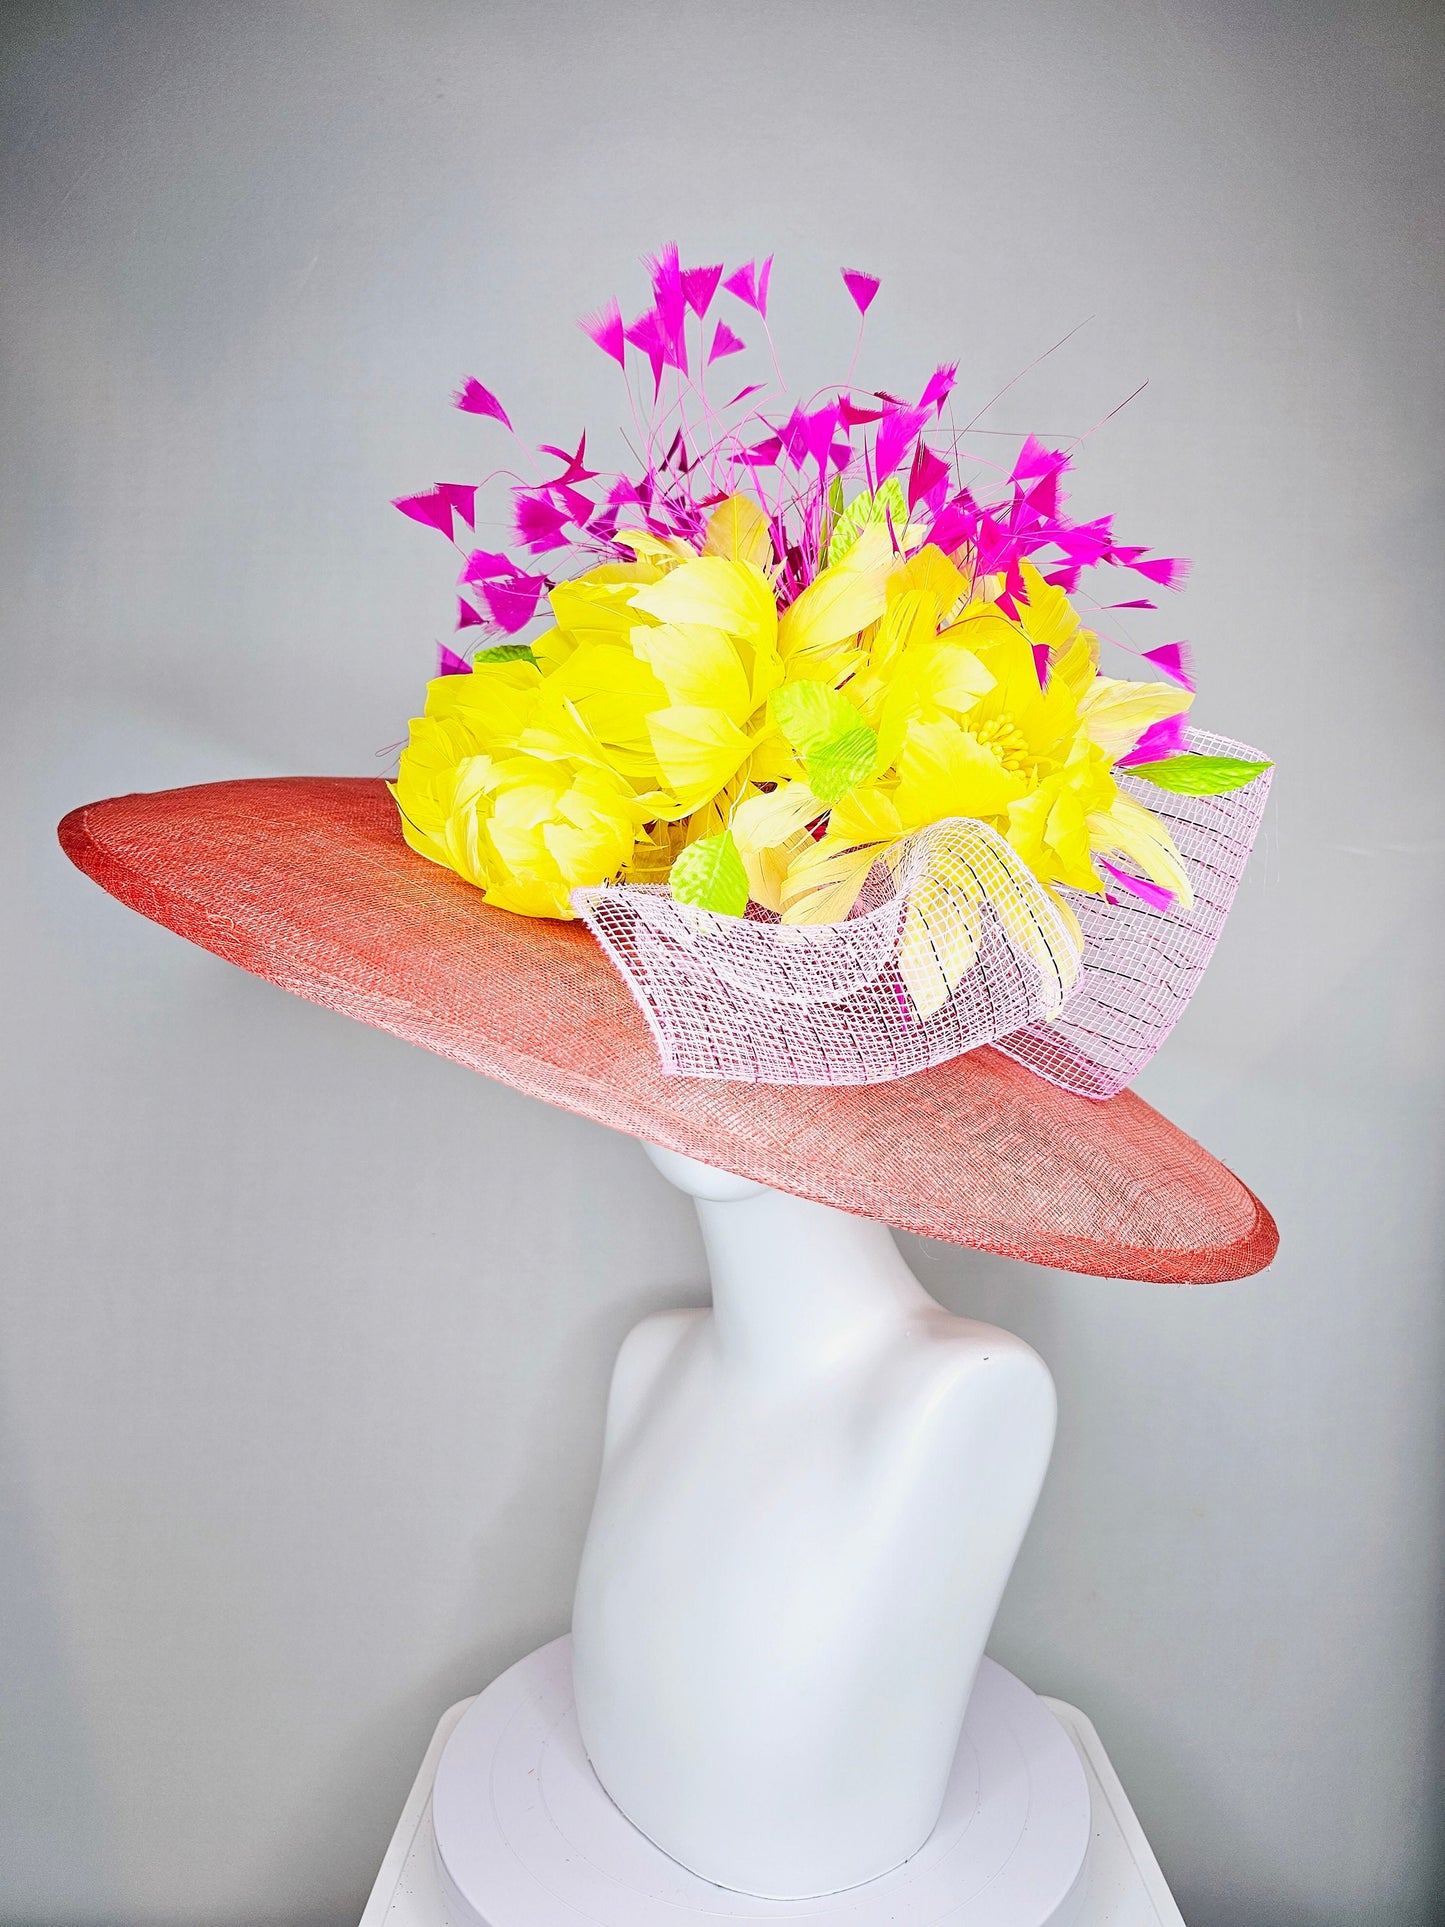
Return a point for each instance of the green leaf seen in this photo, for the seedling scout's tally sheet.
(868, 507)
(838, 747)
(811, 714)
(1199, 775)
(710, 874)
(504, 652)
(837, 766)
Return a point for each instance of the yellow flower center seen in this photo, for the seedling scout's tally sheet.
(1006, 741)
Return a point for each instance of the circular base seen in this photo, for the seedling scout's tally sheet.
(526, 1837)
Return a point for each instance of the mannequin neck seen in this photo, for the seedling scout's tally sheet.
(795, 1283)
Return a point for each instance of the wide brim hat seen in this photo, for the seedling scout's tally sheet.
(306, 881)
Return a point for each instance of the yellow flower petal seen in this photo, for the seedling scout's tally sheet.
(1136, 834)
(697, 750)
(1116, 714)
(866, 815)
(816, 630)
(710, 590)
(696, 664)
(770, 830)
(823, 881)
(737, 530)
(945, 771)
(1047, 617)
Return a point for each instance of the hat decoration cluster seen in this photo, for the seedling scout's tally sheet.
(801, 717)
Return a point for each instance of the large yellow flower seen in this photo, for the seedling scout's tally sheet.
(673, 700)
(966, 729)
(526, 826)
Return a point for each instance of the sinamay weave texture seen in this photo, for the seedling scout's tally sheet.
(307, 882)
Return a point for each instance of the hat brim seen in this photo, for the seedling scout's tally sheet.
(306, 881)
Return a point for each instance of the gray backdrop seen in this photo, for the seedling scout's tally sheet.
(306, 1332)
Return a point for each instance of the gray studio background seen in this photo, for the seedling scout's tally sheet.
(305, 1332)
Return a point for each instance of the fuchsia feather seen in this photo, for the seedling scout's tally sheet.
(539, 522)
(1159, 741)
(646, 334)
(818, 433)
(473, 399)
(1154, 894)
(725, 342)
(574, 469)
(449, 663)
(670, 303)
(483, 565)
(928, 476)
(941, 384)
(854, 416)
(750, 284)
(514, 603)
(433, 510)
(605, 328)
(862, 287)
(1169, 571)
(463, 498)
(1035, 460)
(762, 454)
(896, 435)
(676, 487)
(1176, 659)
(509, 593)
(699, 285)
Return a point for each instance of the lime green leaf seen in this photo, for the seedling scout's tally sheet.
(811, 714)
(1199, 775)
(824, 728)
(877, 506)
(710, 874)
(838, 765)
(504, 652)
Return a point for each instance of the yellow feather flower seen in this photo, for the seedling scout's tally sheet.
(673, 700)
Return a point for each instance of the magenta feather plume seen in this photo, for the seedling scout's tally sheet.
(862, 287)
(941, 384)
(1176, 659)
(699, 285)
(725, 342)
(605, 328)
(432, 510)
(473, 399)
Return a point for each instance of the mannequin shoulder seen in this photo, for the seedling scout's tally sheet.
(959, 1371)
(643, 1358)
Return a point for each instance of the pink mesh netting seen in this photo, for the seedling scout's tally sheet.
(1141, 966)
(307, 882)
(773, 1003)
(756, 1000)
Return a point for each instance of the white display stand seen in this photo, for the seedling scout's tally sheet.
(526, 1836)
(1124, 1886)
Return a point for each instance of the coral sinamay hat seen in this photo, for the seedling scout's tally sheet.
(307, 882)
(782, 780)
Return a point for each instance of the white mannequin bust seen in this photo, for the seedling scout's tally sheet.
(811, 1499)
